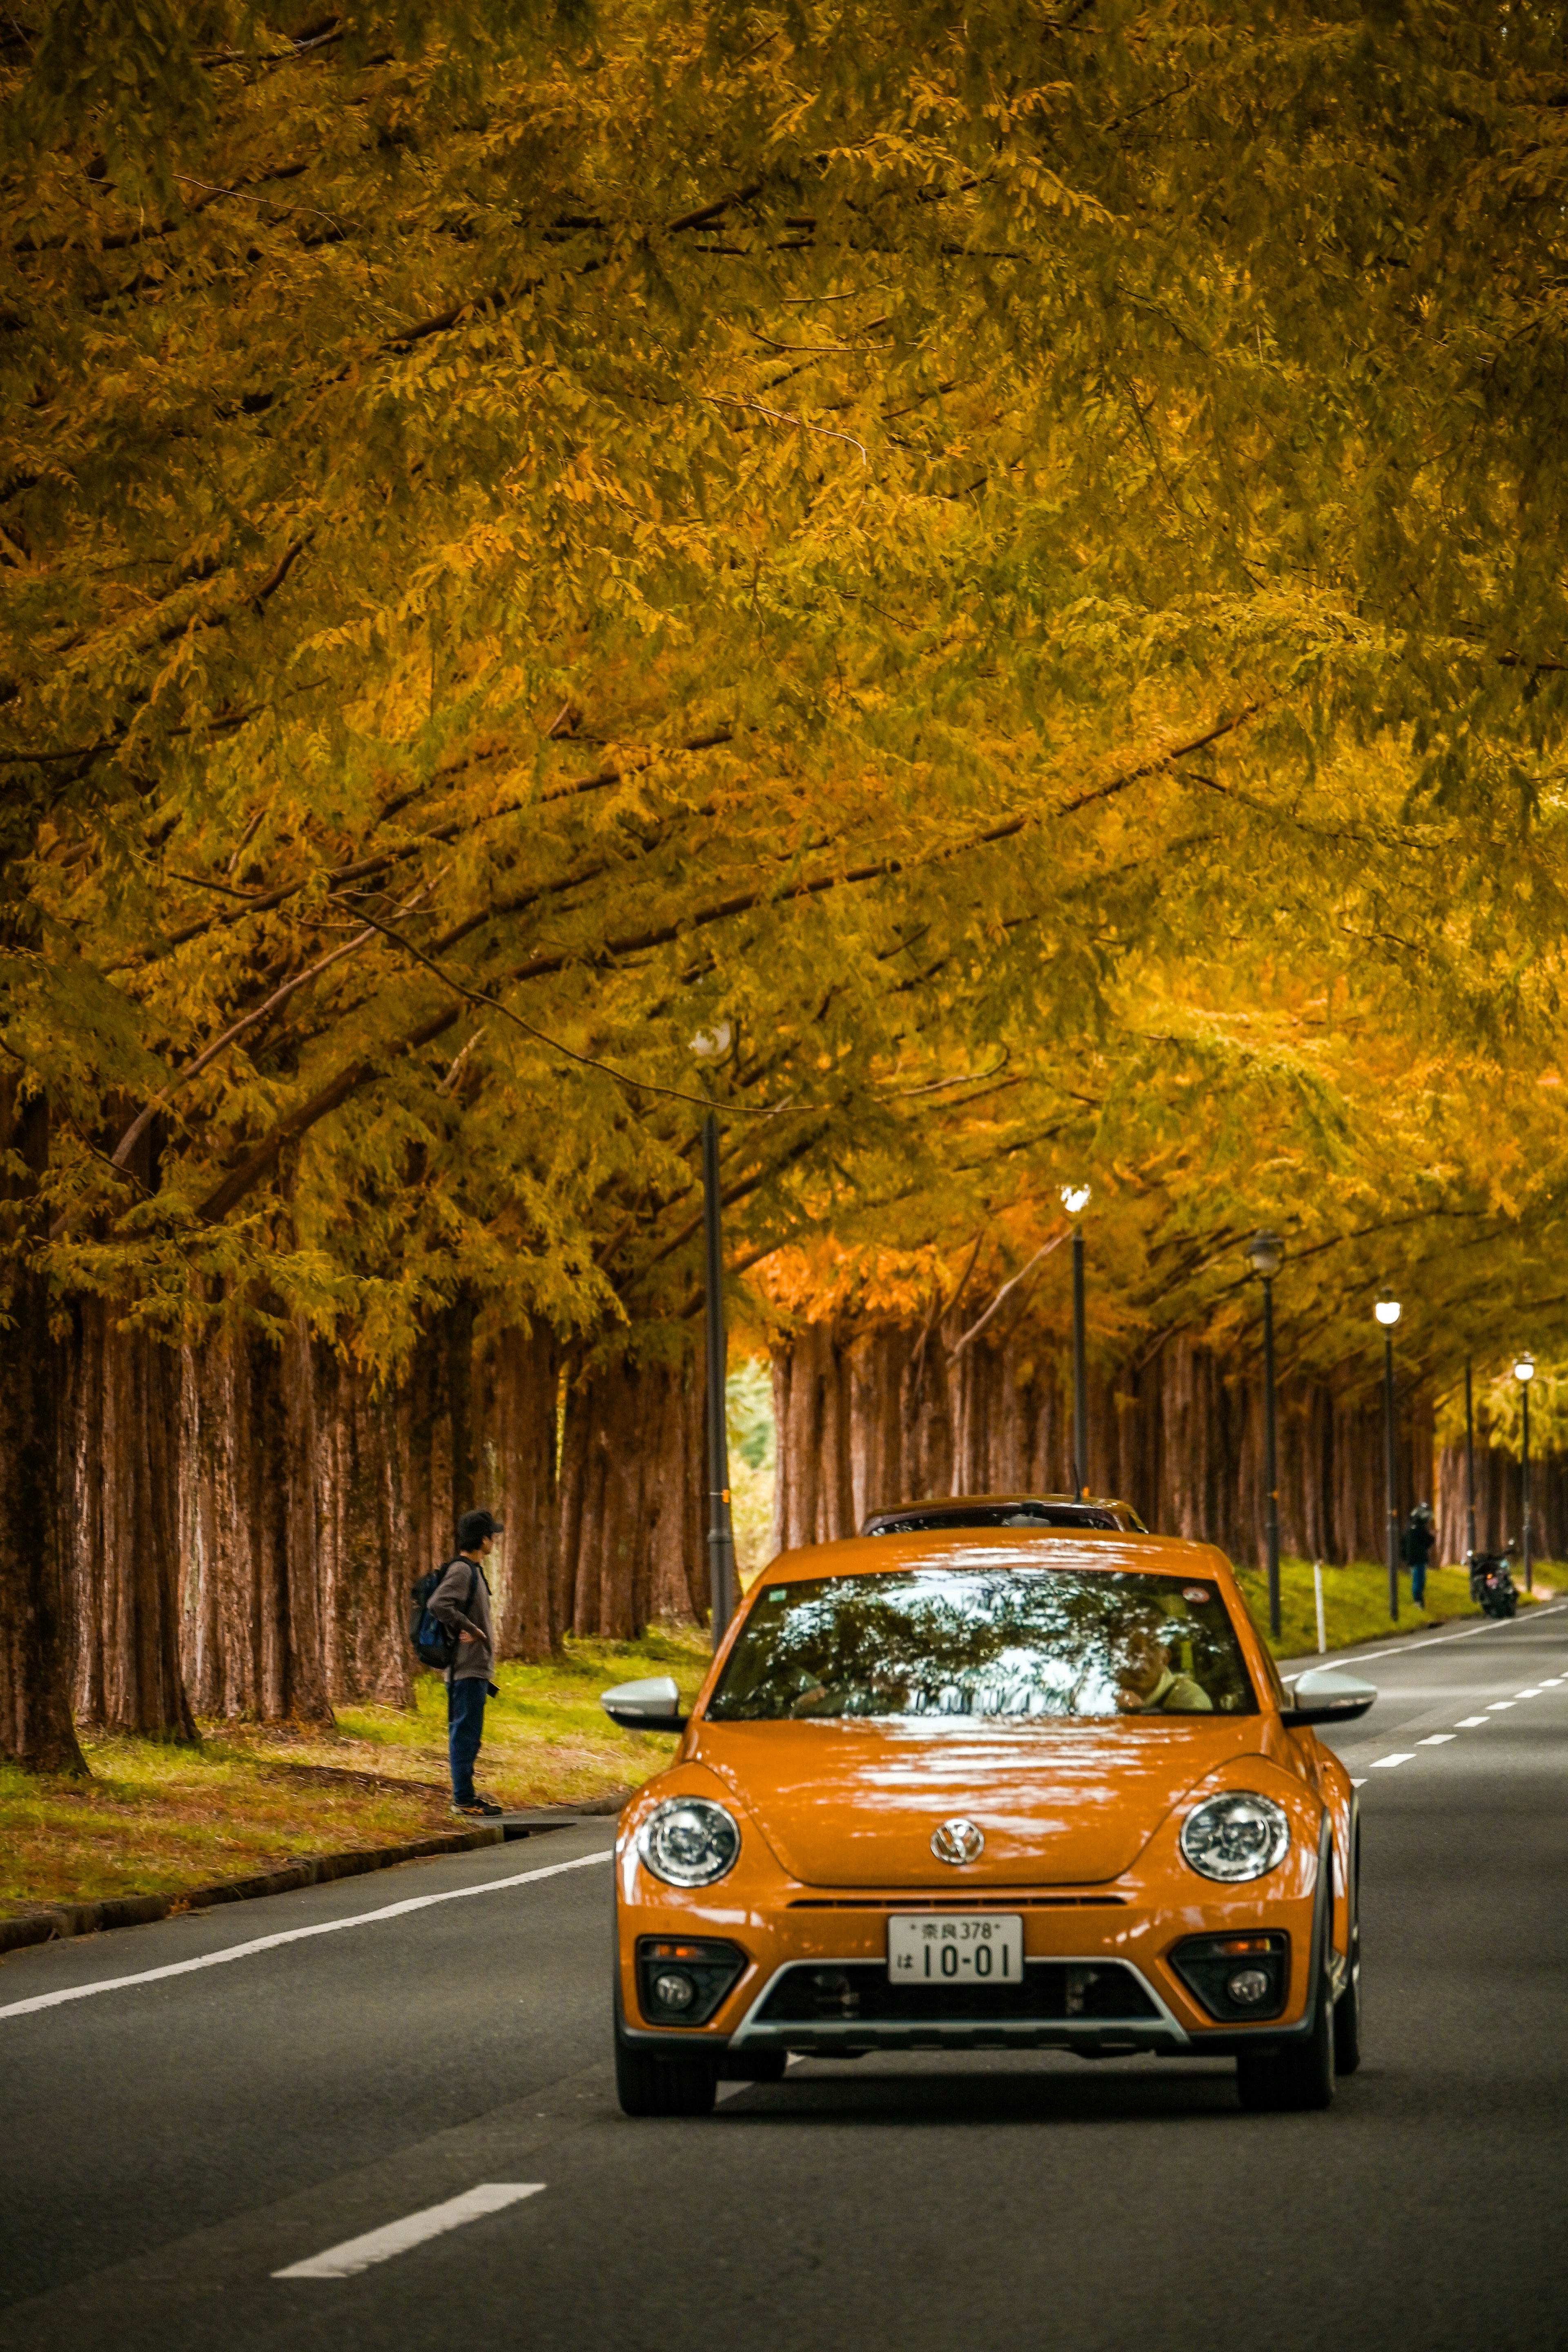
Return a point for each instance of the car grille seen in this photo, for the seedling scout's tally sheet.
(861, 1992)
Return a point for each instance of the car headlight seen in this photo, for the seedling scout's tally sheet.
(690, 1841)
(1236, 1836)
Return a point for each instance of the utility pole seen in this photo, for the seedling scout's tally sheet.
(1524, 1372)
(721, 1530)
(1387, 1312)
(1469, 1464)
(1075, 1200)
(1266, 1256)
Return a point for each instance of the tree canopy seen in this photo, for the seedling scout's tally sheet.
(1008, 560)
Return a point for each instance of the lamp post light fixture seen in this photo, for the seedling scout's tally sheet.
(711, 1046)
(1387, 1312)
(1074, 1200)
(1524, 1372)
(1265, 1255)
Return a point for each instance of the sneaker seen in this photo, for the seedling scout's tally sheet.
(480, 1805)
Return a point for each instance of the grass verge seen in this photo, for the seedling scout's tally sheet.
(1355, 1602)
(159, 1819)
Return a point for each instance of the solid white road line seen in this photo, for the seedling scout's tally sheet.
(295, 1936)
(1352, 1658)
(377, 2245)
(1435, 1739)
(1383, 1762)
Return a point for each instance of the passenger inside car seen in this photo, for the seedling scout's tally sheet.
(1148, 1683)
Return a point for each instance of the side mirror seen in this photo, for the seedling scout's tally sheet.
(1326, 1694)
(650, 1706)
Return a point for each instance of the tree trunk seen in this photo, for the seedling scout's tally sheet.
(680, 1573)
(120, 1479)
(632, 1539)
(368, 1559)
(605, 1526)
(36, 1726)
(876, 1363)
(518, 1476)
(253, 1613)
(814, 1485)
(925, 1414)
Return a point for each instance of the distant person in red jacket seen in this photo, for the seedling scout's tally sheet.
(462, 1602)
(1420, 1543)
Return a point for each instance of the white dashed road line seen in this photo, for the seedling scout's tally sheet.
(1383, 1763)
(295, 1936)
(378, 2246)
(1435, 1739)
(1498, 1706)
(1472, 1723)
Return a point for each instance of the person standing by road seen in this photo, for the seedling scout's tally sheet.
(461, 1602)
(1420, 1543)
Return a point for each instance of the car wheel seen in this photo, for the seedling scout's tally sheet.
(1300, 2076)
(646, 2086)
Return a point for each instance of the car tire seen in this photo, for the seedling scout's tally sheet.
(1300, 2077)
(649, 2086)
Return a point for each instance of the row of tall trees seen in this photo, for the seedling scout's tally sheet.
(1003, 567)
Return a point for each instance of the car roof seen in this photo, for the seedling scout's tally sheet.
(1064, 1548)
(1068, 1510)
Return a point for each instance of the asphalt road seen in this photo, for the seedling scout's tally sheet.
(167, 2146)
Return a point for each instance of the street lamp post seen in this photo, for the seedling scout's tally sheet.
(1469, 1464)
(1387, 1312)
(1524, 1372)
(1074, 1200)
(711, 1046)
(1265, 1255)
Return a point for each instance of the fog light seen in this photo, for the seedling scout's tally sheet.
(1247, 1987)
(674, 1990)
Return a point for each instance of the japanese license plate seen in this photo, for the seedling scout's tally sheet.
(955, 1947)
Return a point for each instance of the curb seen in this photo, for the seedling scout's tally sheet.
(45, 1925)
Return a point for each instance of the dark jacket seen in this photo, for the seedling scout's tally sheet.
(1420, 1542)
(452, 1605)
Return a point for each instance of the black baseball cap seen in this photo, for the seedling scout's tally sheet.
(474, 1527)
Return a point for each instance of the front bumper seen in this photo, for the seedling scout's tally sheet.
(1099, 1977)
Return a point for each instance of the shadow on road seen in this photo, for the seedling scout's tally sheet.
(1030, 2096)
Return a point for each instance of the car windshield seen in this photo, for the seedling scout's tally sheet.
(985, 1643)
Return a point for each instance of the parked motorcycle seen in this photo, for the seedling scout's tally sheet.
(1491, 1585)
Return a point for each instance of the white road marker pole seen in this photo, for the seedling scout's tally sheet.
(378, 2246)
(1318, 1597)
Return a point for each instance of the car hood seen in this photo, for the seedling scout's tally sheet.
(1065, 1805)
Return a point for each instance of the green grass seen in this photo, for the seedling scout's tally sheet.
(1355, 1602)
(157, 1818)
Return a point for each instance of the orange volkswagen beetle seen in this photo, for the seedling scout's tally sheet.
(990, 1789)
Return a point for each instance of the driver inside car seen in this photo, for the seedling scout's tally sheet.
(1147, 1683)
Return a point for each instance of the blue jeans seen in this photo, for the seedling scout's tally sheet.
(465, 1730)
(1418, 1582)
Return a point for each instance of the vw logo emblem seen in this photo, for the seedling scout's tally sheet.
(957, 1842)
